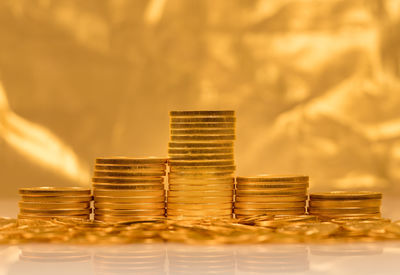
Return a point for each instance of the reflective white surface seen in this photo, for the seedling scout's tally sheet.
(360, 258)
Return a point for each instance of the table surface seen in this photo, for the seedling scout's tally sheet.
(351, 258)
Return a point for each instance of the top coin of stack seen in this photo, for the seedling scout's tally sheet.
(129, 188)
(271, 195)
(339, 204)
(201, 159)
(55, 202)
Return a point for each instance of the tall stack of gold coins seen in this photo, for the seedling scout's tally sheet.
(341, 204)
(55, 202)
(201, 159)
(129, 188)
(271, 195)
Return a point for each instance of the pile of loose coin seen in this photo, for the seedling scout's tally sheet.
(340, 204)
(271, 195)
(201, 161)
(129, 188)
(53, 202)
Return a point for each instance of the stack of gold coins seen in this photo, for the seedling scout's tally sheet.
(339, 204)
(55, 202)
(129, 188)
(201, 159)
(271, 195)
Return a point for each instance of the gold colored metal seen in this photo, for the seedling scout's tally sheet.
(126, 206)
(202, 113)
(106, 186)
(60, 198)
(197, 206)
(130, 161)
(211, 125)
(203, 119)
(129, 168)
(127, 193)
(48, 205)
(274, 178)
(60, 191)
(127, 199)
(271, 198)
(98, 173)
(344, 195)
(200, 145)
(120, 180)
(282, 205)
(130, 212)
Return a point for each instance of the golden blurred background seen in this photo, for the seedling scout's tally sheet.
(315, 84)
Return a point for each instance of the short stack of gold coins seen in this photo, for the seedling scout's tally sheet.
(271, 195)
(127, 189)
(341, 204)
(201, 163)
(55, 202)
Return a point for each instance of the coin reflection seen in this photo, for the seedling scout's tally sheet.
(130, 259)
(184, 259)
(347, 249)
(261, 259)
(46, 259)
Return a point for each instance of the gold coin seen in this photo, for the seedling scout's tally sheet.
(130, 168)
(274, 178)
(205, 180)
(201, 125)
(127, 174)
(195, 131)
(199, 175)
(281, 205)
(120, 206)
(198, 206)
(203, 113)
(38, 191)
(272, 191)
(127, 180)
(202, 119)
(270, 199)
(344, 195)
(344, 210)
(199, 145)
(49, 217)
(127, 193)
(60, 198)
(190, 212)
(192, 193)
(146, 187)
(202, 138)
(202, 157)
(211, 151)
(199, 187)
(351, 219)
(47, 212)
(204, 169)
(241, 186)
(127, 218)
(345, 203)
(58, 205)
(287, 211)
(135, 199)
(180, 199)
(202, 163)
(126, 160)
(130, 212)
